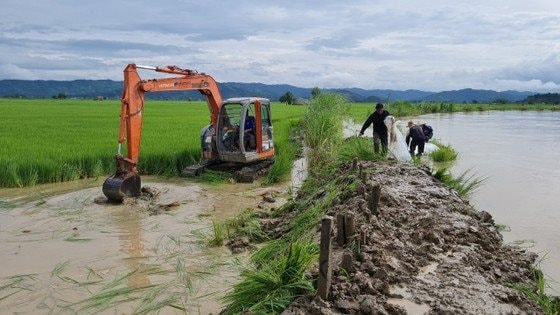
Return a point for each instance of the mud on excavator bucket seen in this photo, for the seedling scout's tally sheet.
(116, 187)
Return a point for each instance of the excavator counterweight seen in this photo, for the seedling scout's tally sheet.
(240, 129)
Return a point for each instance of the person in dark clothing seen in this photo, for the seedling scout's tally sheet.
(415, 138)
(428, 131)
(249, 135)
(379, 128)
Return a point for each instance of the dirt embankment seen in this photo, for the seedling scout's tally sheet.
(427, 252)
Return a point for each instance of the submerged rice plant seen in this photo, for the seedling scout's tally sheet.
(464, 184)
(218, 235)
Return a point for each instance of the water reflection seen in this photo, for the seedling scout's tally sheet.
(132, 245)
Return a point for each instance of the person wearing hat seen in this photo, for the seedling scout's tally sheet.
(379, 128)
(415, 138)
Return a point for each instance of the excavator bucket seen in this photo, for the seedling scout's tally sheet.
(116, 188)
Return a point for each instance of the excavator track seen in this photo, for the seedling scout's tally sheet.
(242, 173)
(197, 169)
(249, 173)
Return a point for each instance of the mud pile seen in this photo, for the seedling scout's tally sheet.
(154, 199)
(426, 251)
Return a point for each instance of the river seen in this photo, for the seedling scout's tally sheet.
(518, 152)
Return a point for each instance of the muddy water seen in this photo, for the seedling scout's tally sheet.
(518, 152)
(62, 244)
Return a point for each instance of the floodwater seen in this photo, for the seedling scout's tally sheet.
(518, 152)
(65, 250)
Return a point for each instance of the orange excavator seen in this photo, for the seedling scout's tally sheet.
(240, 129)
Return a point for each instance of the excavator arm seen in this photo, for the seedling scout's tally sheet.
(126, 181)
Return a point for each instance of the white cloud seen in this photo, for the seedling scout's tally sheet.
(431, 45)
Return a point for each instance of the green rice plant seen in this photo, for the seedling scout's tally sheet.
(269, 250)
(444, 153)
(286, 151)
(357, 147)
(7, 205)
(271, 288)
(45, 141)
(76, 239)
(464, 184)
(146, 299)
(526, 243)
(503, 228)
(214, 178)
(157, 298)
(218, 235)
(536, 292)
(245, 223)
(59, 268)
(16, 284)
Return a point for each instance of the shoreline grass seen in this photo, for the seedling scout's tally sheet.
(399, 109)
(536, 292)
(465, 183)
(444, 153)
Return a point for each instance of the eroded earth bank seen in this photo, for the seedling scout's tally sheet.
(426, 250)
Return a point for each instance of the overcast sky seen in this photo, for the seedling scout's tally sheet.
(427, 45)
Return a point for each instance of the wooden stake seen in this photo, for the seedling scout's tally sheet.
(347, 262)
(349, 227)
(363, 237)
(374, 198)
(340, 230)
(363, 174)
(325, 268)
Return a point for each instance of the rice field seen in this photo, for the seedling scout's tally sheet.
(46, 141)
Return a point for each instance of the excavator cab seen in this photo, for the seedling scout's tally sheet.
(244, 132)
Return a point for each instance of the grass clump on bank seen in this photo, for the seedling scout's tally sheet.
(536, 292)
(322, 129)
(271, 288)
(358, 148)
(245, 223)
(444, 153)
(464, 184)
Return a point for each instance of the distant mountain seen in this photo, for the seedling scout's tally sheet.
(113, 89)
(46, 89)
(272, 92)
(361, 95)
(481, 96)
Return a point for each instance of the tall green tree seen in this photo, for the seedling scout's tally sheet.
(288, 98)
(315, 92)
